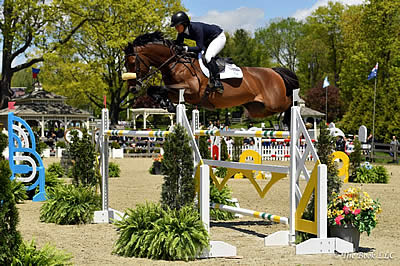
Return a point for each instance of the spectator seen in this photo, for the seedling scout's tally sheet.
(340, 143)
(393, 148)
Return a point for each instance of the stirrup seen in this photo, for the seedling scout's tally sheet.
(218, 86)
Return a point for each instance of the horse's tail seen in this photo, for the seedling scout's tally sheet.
(291, 83)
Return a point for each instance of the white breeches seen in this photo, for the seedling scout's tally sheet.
(215, 46)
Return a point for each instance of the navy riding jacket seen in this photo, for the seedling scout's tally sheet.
(200, 32)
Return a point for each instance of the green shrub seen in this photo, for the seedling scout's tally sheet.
(115, 145)
(28, 254)
(57, 169)
(221, 172)
(133, 229)
(40, 145)
(19, 191)
(113, 170)
(221, 197)
(149, 231)
(376, 174)
(10, 238)
(83, 156)
(70, 205)
(3, 143)
(61, 144)
(52, 180)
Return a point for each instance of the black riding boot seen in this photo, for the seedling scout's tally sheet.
(215, 82)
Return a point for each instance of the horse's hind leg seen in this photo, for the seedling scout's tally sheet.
(257, 110)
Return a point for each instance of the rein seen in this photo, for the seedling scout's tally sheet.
(140, 81)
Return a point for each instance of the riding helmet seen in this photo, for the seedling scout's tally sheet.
(180, 18)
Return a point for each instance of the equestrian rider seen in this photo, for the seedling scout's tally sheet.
(209, 39)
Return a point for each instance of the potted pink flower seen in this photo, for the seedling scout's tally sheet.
(352, 213)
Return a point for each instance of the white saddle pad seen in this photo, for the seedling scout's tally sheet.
(230, 71)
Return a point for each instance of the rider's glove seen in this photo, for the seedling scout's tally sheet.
(181, 49)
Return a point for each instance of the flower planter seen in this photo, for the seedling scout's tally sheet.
(59, 152)
(157, 168)
(346, 232)
(46, 153)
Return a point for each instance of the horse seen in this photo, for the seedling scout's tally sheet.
(262, 91)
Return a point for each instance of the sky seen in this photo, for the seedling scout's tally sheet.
(252, 14)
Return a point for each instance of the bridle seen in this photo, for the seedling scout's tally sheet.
(140, 81)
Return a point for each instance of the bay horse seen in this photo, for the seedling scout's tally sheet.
(262, 91)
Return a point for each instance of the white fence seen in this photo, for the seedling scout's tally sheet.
(269, 152)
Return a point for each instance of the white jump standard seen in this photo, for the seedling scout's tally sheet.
(316, 183)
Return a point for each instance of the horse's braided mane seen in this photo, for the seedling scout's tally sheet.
(154, 37)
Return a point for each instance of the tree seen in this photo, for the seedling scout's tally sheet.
(92, 65)
(377, 23)
(321, 46)
(316, 99)
(177, 168)
(279, 40)
(34, 28)
(244, 50)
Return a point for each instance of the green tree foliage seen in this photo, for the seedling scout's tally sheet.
(224, 150)
(279, 41)
(23, 78)
(203, 148)
(177, 168)
(321, 45)
(244, 50)
(237, 148)
(92, 65)
(10, 238)
(34, 28)
(371, 36)
(316, 99)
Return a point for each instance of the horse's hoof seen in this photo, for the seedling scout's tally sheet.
(171, 108)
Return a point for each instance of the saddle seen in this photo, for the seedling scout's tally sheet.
(226, 67)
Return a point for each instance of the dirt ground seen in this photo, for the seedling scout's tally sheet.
(92, 244)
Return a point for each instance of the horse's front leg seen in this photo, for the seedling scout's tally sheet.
(160, 95)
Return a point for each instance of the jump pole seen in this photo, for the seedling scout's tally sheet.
(246, 212)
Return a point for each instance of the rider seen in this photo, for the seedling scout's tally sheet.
(209, 39)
